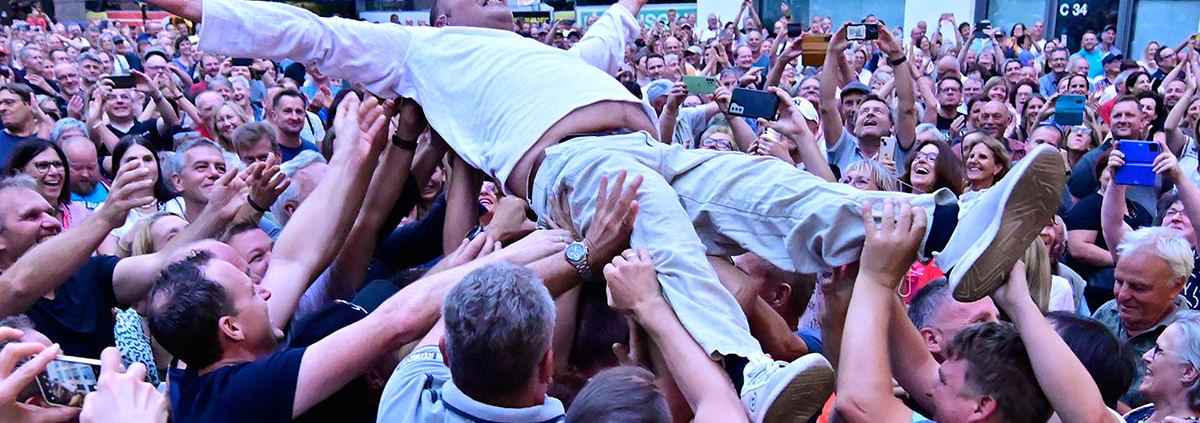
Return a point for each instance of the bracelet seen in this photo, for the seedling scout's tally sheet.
(403, 144)
(255, 206)
(897, 62)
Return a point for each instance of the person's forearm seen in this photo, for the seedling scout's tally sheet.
(349, 268)
(633, 6)
(1071, 390)
(863, 385)
(773, 332)
(814, 159)
(1090, 254)
(462, 204)
(48, 264)
(1112, 216)
(906, 123)
(846, 74)
(666, 124)
(701, 381)
(558, 274)
(166, 111)
(776, 72)
(1189, 195)
(743, 135)
(830, 115)
(1171, 76)
(190, 110)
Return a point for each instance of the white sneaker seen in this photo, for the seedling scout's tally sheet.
(1016, 209)
(778, 391)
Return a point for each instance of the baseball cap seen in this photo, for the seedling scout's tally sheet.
(658, 88)
(999, 32)
(856, 86)
(806, 108)
(695, 50)
(1108, 27)
(1108, 58)
(117, 39)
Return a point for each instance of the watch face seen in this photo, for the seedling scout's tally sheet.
(576, 252)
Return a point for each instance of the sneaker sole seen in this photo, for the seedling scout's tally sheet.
(1030, 205)
(804, 396)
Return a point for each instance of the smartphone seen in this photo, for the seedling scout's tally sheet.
(700, 84)
(862, 32)
(67, 380)
(887, 149)
(122, 81)
(980, 26)
(1068, 110)
(1139, 162)
(754, 104)
(813, 49)
(242, 61)
(794, 30)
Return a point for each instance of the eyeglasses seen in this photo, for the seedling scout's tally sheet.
(1081, 129)
(44, 167)
(716, 144)
(930, 156)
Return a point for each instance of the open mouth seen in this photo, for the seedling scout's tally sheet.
(921, 170)
(488, 3)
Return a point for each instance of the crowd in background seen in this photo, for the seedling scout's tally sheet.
(135, 163)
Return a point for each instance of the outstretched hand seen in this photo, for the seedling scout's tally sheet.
(356, 126)
(612, 224)
(14, 378)
(891, 245)
(123, 395)
(1015, 292)
(632, 282)
(266, 181)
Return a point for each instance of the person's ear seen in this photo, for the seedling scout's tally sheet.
(985, 409)
(779, 295)
(230, 329)
(442, 349)
(933, 339)
(289, 208)
(546, 368)
(177, 182)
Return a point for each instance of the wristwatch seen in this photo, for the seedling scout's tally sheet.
(410, 145)
(577, 255)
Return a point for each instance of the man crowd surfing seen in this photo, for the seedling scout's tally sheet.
(249, 213)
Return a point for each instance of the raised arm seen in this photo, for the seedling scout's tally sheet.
(41, 269)
(462, 203)
(864, 382)
(1176, 139)
(342, 48)
(603, 44)
(633, 290)
(318, 228)
(1071, 390)
(786, 56)
(831, 117)
(906, 122)
(929, 99)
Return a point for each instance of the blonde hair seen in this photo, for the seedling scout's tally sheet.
(143, 239)
(1037, 273)
(226, 143)
(885, 180)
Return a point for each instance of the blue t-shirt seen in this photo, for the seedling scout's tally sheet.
(291, 153)
(8, 143)
(260, 391)
(1095, 68)
(80, 316)
(93, 200)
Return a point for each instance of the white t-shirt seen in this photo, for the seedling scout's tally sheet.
(490, 93)
(174, 205)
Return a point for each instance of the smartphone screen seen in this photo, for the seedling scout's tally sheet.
(754, 104)
(67, 380)
(794, 29)
(856, 32)
(700, 84)
(241, 61)
(122, 81)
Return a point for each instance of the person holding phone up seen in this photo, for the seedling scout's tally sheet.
(870, 117)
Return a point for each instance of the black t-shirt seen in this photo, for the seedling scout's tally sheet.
(147, 129)
(1085, 215)
(943, 123)
(261, 391)
(1191, 290)
(80, 316)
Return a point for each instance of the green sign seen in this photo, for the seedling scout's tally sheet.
(650, 13)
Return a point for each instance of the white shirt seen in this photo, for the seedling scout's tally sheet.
(490, 93)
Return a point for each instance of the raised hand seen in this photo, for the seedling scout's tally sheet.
(611, 225)
(838, 43)
(229, 193)
(791, 122)
(632, 282)
(891, 245)
(266, 181)
(356, 125)
(410, 120)
(888, 43)
(676, 96)
(130, 190)
(122, 395)
(1166, 165)
(537, 245)
(1015, 291)
(144, 84)
(14, 378)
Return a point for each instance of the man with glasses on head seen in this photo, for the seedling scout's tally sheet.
(21, 118)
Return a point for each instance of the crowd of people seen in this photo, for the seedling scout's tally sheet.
(324, 219)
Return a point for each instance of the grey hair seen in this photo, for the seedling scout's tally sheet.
(177, 159)
(927, 299)
(931, 128)
(1188, 324)
(289, 168)
(1164, 243)
(64, 125)
(212, 83)
(499, 320)
(19, 180)
(239, 80)
(87, 55)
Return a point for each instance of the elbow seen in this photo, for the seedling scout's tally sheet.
(852, 408)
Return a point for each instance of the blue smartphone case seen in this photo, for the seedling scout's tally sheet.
(1068, 110)
(1139, 163)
